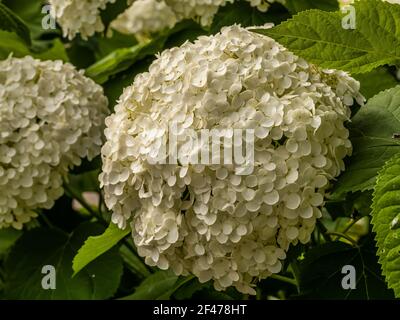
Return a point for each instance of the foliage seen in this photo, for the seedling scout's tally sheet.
(319, 37)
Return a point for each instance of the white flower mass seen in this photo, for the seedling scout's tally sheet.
(79, 16)
(51, 116)
(205, 219)
(145, 17)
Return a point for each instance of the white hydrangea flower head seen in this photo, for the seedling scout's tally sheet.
(206, 219)
(79, 16)
(145, 17)
(51, 116)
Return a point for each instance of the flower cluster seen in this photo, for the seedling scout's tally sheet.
(79, 16)
(150, 16)
(145, 17)
(205, 219)
(51, 116)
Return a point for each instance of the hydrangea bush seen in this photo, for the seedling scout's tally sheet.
(89, 183)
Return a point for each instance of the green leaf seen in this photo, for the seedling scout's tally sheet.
(319, 37)
(115, 62)
(373, 134)
(187, 290)
(386, 221)
(295, 6)
(26, 10)
(96, 246)
(9, 21)
(81, 53)
(41, 247)
(353, 204)
(375, 81)
(122, 59)
(31, 13)
(321, 272)
(55, 52)
(11, 43)
(106, 45)
(7, 239)
(159, 286)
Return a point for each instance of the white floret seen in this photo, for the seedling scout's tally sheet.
(51, 116)
(206, 219)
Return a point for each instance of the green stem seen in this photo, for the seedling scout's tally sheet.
(351, 224)
(295, 271)
(79, 198)
(100, 203)
(49, 223)
(324, 231)
(284, 279)
(344, 236)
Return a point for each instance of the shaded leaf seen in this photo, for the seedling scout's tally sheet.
(7, 238)
(55, 52)
(373, 134)
(375, 81)
(41, 247)
(9, 21)
(159, 286)
(117, 61)
(321, 272)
